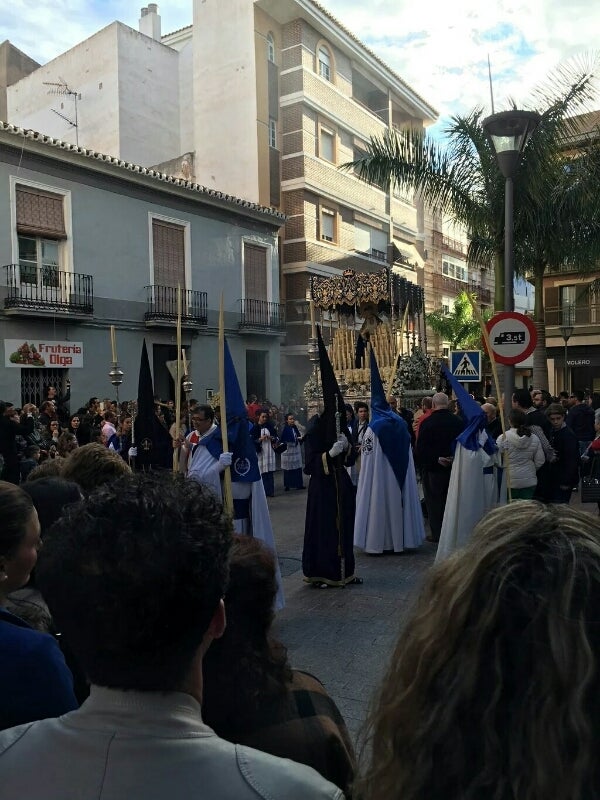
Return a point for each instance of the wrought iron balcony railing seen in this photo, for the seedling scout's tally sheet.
(162, 305)
(580, 314)
(262, 315)
(46, 288)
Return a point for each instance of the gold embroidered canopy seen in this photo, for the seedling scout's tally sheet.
(351, 289)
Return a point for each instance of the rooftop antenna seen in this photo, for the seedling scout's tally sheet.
(490, 77)
(62, 88)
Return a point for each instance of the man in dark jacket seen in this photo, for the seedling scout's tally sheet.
(9, 430)
(434, 453)
(580, 420)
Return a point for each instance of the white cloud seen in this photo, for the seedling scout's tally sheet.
(443, 53)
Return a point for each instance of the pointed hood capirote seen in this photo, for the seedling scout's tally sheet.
(389, 427)
(333, 402)
(322, 432)
(152, 439)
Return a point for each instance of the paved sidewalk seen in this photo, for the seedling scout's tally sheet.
(343, 636)
(346, 636)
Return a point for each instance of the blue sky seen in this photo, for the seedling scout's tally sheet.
(439, 48)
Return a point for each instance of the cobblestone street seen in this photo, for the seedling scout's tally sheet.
(345, 636)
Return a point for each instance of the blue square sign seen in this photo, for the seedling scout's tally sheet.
(465, 365)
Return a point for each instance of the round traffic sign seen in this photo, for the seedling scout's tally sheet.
(513, 337)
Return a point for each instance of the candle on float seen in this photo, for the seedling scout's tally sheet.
(313, 328)
(113, 343)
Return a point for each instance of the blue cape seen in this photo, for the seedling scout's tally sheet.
(244, 465)
(389, 427)
(474, 416)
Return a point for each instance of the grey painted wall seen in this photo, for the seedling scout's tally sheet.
(110, 234)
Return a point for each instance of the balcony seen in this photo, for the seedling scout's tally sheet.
(48, 291)
(453, 285)
(581, 315)
(260, 315)
(161, 302)
(454, 245)
(378, 255)
(483, 295)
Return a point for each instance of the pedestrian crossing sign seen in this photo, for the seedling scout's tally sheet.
(465, 365)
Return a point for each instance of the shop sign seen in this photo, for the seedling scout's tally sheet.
(42, 353)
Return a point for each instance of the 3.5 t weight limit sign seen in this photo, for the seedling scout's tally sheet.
(513, 337)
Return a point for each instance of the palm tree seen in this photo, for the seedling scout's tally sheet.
(557, 215)
(458, 327)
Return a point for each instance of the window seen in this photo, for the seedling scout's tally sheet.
(38, 261)
(371, 241)
(453, 268)
(168, 253)
(327, 145)
(255, 272)
(327, 225)
(324, 61)
(359, 151)
(447, 304)
(40, 230)
(270, 48)
(568, 304)
(273, 133)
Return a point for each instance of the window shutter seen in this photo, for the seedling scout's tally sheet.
(255, 272)
(40, 213)
(168, 243)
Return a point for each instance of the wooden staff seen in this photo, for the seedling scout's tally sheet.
(176, 451)
(227, 491)
(399, 352)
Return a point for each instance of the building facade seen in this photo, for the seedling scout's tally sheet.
(262, 100)
(88, 241)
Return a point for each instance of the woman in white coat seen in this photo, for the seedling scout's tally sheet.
(525, 456)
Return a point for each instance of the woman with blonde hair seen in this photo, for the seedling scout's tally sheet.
(493, 691)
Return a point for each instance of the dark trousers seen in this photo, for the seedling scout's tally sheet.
(269, 483)
(561, 495)
(435, 491)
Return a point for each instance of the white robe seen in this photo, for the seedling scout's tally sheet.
(387, 517)
(266, 454)
(205, 469)
(259, 525)
(471, 495)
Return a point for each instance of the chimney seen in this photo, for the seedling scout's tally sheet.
(150, 22)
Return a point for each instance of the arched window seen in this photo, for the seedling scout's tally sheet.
(324, 62)
(271, 48)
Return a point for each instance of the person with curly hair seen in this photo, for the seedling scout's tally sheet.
(493, 690)
(253, 697)
(134, 576)
(93, 465)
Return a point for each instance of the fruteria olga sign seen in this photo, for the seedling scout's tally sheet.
(42, 353)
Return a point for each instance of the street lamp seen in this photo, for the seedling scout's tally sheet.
(508, 132)
(566, 330)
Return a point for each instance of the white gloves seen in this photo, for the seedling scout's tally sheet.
(225, 460)
(132, 452)
(339, 447)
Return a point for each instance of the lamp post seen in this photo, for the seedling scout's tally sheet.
(508, 132)
(566, 330)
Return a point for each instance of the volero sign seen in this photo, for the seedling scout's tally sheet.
(42, 354)
(513, 337)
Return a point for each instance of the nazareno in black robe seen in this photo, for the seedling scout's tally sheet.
(328, 554)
